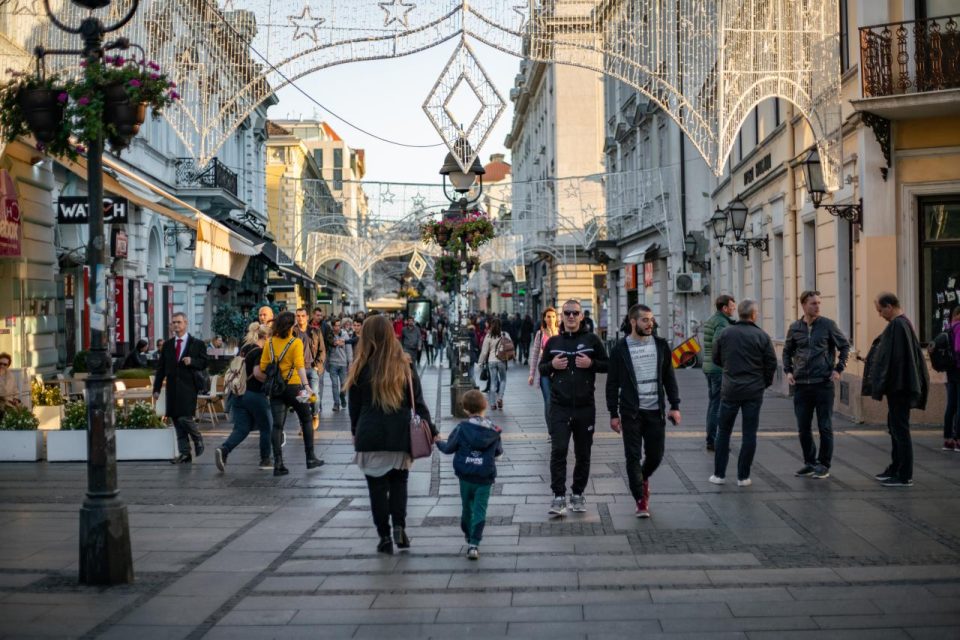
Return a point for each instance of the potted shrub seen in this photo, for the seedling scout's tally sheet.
(69, 444)
(135, 378)
(142, 435)
(47, 403)
(20, 440)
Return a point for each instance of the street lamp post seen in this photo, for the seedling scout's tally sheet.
(817, 189)
(105, 557)
(462, 182)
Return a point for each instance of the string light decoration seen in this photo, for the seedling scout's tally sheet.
(706, 63)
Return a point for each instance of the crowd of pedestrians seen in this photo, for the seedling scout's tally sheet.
(372, 363)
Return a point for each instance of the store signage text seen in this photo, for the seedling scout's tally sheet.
(73, 210)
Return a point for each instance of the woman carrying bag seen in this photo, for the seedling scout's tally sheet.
(549, 327)
(383, 387)
(496, 368)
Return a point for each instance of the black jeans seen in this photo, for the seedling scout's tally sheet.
(750, 425)
(714, 382)
(898, 425)
(950, 430)
(646, 431)
(564, 422)
(186, 431)
(388, 500)
(807, 399)
(279, 406)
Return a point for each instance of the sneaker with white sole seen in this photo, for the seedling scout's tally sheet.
(220, 458)
(473, 553)
(806, 471)
(884, 475)
(746, 482)
(558, 506)
(578, 504)
(896, 482)
(266, 464)
(717, 480)
(821, 472)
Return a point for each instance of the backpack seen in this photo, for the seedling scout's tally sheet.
(235, 379)
(506, 350)
(942, 356)
(275, 385)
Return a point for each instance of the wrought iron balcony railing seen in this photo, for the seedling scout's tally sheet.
(910, 57)
(213, 176)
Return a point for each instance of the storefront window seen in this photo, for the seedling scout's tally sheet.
(940, 263)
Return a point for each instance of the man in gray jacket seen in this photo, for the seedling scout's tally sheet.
(812, 366)
(746, 354)
(410, 339)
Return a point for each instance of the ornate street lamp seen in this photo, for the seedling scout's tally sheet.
(462, 182)
(720, 223)
(737, 211)
(817, 189)
(690, 246)
(105, 557)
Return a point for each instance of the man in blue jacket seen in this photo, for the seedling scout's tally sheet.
(814, 355)
(640, 381)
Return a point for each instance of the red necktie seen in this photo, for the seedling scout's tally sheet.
(179, 340)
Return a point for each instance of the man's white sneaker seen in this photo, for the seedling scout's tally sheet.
(578, 504)
(746, 482)
(717, 480)
(558, 506)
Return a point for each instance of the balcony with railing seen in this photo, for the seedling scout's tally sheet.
(905, 58)
(215, 175)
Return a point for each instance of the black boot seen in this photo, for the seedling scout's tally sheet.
(400, 537)
(278, 468)
(385, 545)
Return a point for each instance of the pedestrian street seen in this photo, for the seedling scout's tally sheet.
(246, 555)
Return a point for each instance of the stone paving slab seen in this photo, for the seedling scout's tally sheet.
(245, 555)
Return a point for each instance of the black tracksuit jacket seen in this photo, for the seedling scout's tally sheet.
(573, 387)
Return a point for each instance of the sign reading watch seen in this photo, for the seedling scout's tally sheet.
(73, 210)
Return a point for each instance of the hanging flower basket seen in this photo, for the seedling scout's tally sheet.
(121, 117)
(34, 105)
(43, 112)
(472, 230)
(448, 271)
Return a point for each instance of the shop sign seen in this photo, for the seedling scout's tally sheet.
(10, 230)
(73, 210)
(630, 276)
(119, 243)
(120, 307)
(647, 274)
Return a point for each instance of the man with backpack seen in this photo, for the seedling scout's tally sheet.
(943, 358)
(814, 355)
(249, 406)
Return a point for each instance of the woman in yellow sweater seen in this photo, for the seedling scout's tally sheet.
(287, 350)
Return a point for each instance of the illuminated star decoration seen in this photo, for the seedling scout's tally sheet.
(418, 201)
(572, 191)
(589, 211)
(20, 7)
(397, 11)
(306, 25)
(387, 196)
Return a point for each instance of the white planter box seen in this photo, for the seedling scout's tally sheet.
(49, 417)
(132, 444)
(146, 444)
(21, 446)
(66, 446)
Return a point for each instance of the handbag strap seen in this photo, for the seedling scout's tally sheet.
(412, 400)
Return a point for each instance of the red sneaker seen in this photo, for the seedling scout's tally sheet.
(643, 504)
(949, 445)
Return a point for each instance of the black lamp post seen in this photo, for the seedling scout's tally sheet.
(462, 182)
(105, 557)
(737, 212)
(817, 189)
(720, 224)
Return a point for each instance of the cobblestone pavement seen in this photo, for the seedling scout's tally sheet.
(243, 555)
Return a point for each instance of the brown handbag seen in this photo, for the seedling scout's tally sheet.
(421, 438)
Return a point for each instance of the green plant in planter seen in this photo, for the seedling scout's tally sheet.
(139, 415)
(36, 105)
(45, 395)
(135, 374)
(80, 362)
(74, 416)
(19, 418)
(228, 323)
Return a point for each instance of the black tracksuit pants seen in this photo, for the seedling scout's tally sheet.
(645, 432)
(564, 422)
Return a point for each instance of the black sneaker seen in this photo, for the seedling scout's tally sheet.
(884, 475)
(220, 458)
(711, 446)
(313, 463)
(821, 472)
(896, 482)
(281, 471)
(266, 464)
(183, 458)
(807, 471)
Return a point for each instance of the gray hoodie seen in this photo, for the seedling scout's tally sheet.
(341, 356)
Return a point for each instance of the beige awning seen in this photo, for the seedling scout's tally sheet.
(219, 249)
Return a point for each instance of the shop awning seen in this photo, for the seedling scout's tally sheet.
(639, 255)
(274, 256)
(219, 249)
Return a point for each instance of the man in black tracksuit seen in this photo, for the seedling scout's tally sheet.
(640, 382)
(571, 360)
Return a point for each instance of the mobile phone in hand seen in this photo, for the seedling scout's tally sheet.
(672, 420)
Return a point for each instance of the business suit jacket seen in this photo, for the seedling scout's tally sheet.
(181, 379)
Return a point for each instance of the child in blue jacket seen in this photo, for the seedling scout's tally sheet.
(475, 443)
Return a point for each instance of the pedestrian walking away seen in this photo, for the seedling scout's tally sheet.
(640, 384)
(339, 355)
(814, 355)
(380, 406)
(313, 349)
(250, 409)
(944, 354)
(726, 309)
(492, 356)
(745, 353)
(182, 358)
(895, 369)
(475, 444)
(572, 359)
(285, 352)
(549, 327)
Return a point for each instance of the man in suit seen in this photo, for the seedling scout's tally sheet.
(182, 358)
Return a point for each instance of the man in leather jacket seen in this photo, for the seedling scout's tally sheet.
(812, 366)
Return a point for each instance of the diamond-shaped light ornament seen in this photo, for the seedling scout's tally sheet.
(464, 70)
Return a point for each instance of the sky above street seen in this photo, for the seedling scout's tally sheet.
(385, 97)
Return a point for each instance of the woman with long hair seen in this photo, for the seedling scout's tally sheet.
(495, 366)
(549, 327)
(286, 349)
(378, 383)
(251, 409)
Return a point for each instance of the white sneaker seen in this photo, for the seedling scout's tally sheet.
(717, 480)
(558, 506)
(578, 504)
(746, 482)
